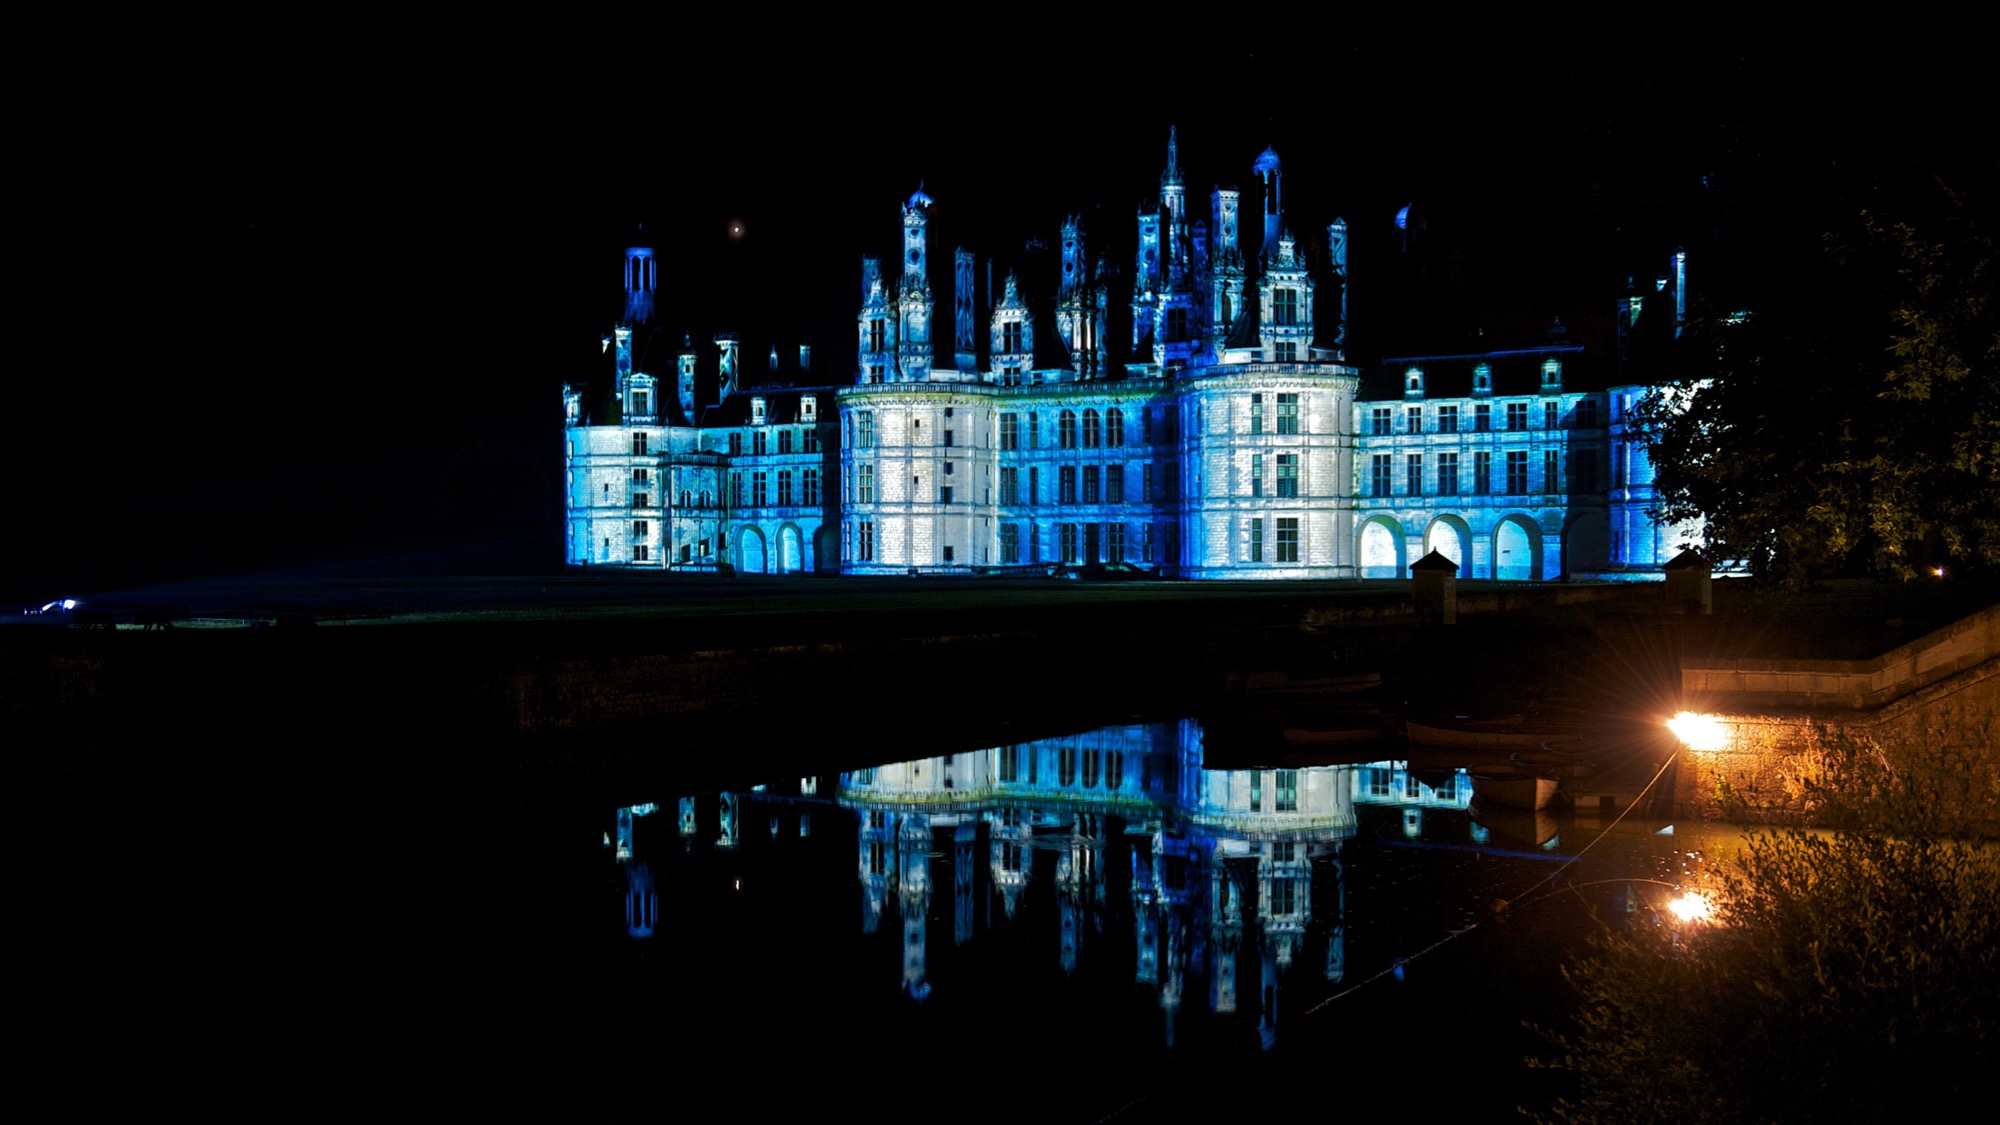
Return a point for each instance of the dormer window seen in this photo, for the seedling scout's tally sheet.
(808, 409)
(757, 411)
(1482, 379)
(1552, 375)
(1413, 381)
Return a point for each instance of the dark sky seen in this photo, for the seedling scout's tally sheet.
(316, 304)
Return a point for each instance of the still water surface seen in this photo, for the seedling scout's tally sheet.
(1093, 925)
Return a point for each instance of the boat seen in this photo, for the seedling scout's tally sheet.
(1518, 787)
(1476, 736)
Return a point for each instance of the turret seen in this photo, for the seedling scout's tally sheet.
(642, 277)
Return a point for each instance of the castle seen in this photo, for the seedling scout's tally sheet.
(1227, 435)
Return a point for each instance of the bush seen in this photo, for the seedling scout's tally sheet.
(1852, 972)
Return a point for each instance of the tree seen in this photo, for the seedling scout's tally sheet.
(1847, 417)
(1850, 975)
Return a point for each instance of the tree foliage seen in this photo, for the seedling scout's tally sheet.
(1846, 417)
(1850, 975)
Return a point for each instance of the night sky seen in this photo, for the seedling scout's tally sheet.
(317, 306)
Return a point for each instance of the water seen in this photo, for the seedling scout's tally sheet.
(1079, 927)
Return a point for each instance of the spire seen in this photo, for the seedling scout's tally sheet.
(1172, 176)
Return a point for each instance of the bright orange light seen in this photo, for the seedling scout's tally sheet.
(1691, 907)
(1699, 732)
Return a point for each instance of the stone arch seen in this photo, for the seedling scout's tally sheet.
(791, 550)
(1586, 543)
(751, 558)
(1517, 549)
(1379, 546)
(1451, 537)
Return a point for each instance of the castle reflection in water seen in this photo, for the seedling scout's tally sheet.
(1222, 885)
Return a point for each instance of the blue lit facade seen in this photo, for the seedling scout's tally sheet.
(1227, 436)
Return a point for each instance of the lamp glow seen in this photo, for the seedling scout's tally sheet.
(1690, 907)
(1699, 732)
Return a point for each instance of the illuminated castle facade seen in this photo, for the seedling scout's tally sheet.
(1230, 438)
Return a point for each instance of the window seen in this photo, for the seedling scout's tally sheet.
(1256, 474)
(944, 494)
(1093, 430)
(784, 488)
(1066, 433)
(1447, 419)
(642, 403)
(1378, 475)
(1550, 412)
(1256, 414)
(1010, 337)
(948, 553)
(1034, 431)
(1380, 420)
(759, 443)
(1482, 473)
(876, 334)
(1447, 474)
(759, 489)
(1145, 425)
(1288, 475)
(951, 437)
(1034, 542)
(864, 429)
(1114, 428)
(1586, 414)
(1517, 472)
(1288, 784)
(785, 441)
(1010, 486)
(1482, 418)
(1256, 540)
(640, 528)
(1176, 325)
(864, 542)
(1413, 419)
(1034, 486)
(687, 552)
(1288, 414)
(639, 553)
(809, 488)
(1114, 484)
(1583, 463)
(1114, 542)
(1413, 474)
(1069, 545)
(1010, 543)
(1288, 540)
(1517, 415)
(1010, 431)
(1146, 543)
(736, 489)
(735, 444)
(1066, 485)
(865, 493)
(639, 444)
(1288, 351)
(1090, 493)
(1285, 313)
(1146, 484)
(641, 476)
(809, 438)
(1618, 466)
(1551, 478)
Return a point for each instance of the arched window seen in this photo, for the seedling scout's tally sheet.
(1068, 429)
(1114, 427)
(1093, 430)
